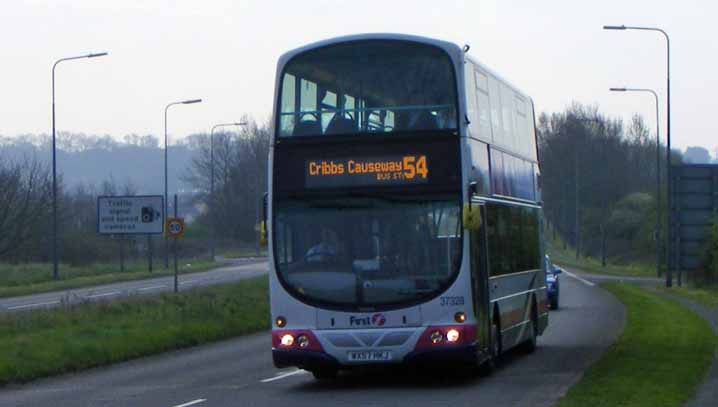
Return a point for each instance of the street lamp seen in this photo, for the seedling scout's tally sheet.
(658, 173)
(167, 242)
(211, 182)
(669, 272)
(55, 273)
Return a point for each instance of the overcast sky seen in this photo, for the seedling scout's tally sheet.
(225, 52)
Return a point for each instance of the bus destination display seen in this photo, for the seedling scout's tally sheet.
(367, 171)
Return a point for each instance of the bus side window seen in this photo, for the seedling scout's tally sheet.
(495, 102)
(483, 106)
(480, 162)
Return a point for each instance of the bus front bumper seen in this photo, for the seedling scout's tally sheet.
(313, 360)
(304, 359)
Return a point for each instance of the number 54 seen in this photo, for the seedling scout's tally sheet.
(414, 166)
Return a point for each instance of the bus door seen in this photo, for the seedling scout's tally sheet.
(480, 280)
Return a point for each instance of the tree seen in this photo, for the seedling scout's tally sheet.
(24, 191)
(589, 164)
(240, 170)
(697, 155)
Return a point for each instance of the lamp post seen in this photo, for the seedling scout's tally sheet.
(658, 173)
(669, 271)
(167, 242)
(211, 182)
(55, 272)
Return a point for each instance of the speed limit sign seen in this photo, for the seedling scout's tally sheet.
(174, 227)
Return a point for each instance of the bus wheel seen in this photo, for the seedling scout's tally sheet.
(495, 349)
(324, 374)
(530, 344)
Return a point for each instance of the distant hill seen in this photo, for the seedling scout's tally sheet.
(91, 160)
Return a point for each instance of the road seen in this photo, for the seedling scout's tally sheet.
(235, 270)
(239, 372)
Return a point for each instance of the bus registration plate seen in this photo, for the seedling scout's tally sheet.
(369, 356)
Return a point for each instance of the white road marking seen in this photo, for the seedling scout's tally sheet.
(190, 281)
(103, 294)
(579, 278)
(191, 403)
(152, 287)
(283, 375)
(35, 304)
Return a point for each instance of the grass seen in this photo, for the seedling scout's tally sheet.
(567, 257)
(33, 278)
(48, 342)
(659, 359)
(244, 252)
(707, 296)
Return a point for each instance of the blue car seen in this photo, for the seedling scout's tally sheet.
(552, 283)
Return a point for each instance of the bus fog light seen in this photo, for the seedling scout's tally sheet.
(287, 340)
(460, 317)
(281, 321)
(436, 337)
(452, 335)
(303, 341)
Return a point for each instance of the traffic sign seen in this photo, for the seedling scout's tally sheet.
(175, 228)
(130, 215)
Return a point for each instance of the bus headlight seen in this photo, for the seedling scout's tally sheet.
(452, 335)
(436, 337)
(287, 340)
(303, 341)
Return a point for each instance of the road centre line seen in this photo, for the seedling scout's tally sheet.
(579, 278)
(191, 281)
(152, 287)
(35, 304)
(284, 375)
(191, 403)
(103, 294)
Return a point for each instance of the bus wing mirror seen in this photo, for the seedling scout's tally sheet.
(471, 216)
(470, 213)
(263, 234)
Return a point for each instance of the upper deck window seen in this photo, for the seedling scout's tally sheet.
(373, 86)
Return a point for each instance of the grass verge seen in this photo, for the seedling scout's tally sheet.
(34, 278)
(49, 342)
(592, 265)
(659, 359)
(567, 257)
(707, 296)
(245, 252)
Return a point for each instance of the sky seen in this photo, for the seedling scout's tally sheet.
(225, 52)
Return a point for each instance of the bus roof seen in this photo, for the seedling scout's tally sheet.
(455, 52)
(450, 48)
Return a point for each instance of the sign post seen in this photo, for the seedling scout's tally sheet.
(175, 230)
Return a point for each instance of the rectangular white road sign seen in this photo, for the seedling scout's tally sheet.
(130, 215)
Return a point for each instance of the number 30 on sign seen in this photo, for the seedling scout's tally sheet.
(174, 228)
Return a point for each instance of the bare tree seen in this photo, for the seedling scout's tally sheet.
(240, 170)
(24, 200)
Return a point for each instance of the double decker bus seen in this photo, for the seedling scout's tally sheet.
(403, 212)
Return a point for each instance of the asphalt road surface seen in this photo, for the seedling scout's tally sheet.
(239, 372)
(235, 270)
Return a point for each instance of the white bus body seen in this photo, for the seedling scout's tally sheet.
(403, 218)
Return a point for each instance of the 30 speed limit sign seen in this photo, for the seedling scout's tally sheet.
(174, 227)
